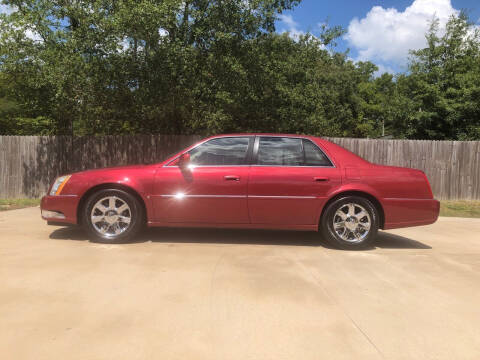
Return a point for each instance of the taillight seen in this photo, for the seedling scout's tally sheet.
(428, 183)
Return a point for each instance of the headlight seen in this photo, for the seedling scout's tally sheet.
(59, 184)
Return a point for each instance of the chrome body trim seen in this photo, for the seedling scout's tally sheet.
(50, 214)
(407, 199)
(191, 167)
(280, 197)
(182, 196)
(296, 166)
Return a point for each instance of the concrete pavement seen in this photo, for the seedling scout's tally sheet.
(230, 294)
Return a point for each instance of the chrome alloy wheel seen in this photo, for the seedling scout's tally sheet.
(352, 222)
(111, 216)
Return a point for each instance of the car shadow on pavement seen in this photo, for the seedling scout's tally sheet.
(393, 241)
(241, 236)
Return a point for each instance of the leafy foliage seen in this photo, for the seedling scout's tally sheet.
(445, 84)
(202, 66)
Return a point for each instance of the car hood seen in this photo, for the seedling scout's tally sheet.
(113, 168)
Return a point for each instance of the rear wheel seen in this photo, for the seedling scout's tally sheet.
(350, 222)
(112, 216)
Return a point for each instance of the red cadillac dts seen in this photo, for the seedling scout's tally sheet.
(268, 181)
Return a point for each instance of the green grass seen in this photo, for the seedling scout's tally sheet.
(470, 209)
(10, 204)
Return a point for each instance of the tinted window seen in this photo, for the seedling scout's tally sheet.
(222, 151)
(314, 156)
(280, 151)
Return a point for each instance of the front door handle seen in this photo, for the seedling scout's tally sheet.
(232, 178)
(320, 178)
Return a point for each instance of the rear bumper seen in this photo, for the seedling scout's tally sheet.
(410, 212)
(53, 207)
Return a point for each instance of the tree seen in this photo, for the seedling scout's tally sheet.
(176, 67)
(444, 83)
(121, 66)
(211, 66)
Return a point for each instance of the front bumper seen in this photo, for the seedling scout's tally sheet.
(60, 209)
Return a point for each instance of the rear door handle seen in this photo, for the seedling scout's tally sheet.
(320, 178)
(232, 177)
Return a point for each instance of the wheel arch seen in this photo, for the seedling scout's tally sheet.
(373, 199)
(104, 186)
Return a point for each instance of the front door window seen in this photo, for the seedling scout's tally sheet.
(223, 151)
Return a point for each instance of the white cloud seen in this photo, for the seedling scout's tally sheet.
(162, 32)
(123, 44)
(29, 33)
(383, 69)
(33, 35)
(288, 20)
(6, 9)
(388, 34)
(291, 26)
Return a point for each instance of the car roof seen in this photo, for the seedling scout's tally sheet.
(263, 134)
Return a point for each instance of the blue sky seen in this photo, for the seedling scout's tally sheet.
(381, 31)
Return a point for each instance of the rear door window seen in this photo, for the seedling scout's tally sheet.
(279, 151)
(314, 156)
(285, 151)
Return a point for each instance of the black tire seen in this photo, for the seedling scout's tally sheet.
(128, 230)
(365, 238)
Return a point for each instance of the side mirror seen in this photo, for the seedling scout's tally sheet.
(184, 160)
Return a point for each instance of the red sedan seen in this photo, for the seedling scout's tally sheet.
(267, 181)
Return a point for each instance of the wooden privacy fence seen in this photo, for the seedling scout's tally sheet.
(28, 164)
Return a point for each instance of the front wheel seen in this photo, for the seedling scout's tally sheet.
(112, 216)
(350, 222)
